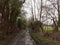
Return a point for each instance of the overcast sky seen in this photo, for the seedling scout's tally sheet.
(27, 8)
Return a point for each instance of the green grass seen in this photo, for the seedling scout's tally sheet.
(44, 40)
(48, 28)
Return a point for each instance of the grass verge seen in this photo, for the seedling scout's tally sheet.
(8, 38)
(44, 41)
(3, 41)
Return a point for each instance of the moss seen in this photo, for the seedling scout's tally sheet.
(2, 42)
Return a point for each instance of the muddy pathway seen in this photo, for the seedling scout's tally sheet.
(23, 38)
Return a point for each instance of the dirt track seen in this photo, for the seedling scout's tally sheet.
(23, 38)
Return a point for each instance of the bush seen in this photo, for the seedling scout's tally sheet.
(36, 26)
(21, 24)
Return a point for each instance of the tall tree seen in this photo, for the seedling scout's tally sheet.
(10, 9)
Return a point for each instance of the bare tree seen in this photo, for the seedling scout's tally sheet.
(58, 10)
